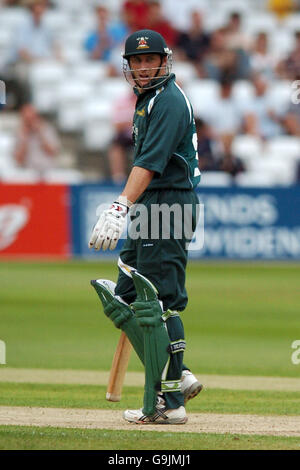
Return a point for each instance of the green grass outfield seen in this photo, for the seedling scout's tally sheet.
(33, 438)
(266, 403)
(241, 320)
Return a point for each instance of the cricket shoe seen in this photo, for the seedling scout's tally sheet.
(190, 386)
(161, 416)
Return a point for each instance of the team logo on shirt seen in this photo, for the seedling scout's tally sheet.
(141, 113)
(142, 43)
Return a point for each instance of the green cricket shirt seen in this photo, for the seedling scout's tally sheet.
(165, 139)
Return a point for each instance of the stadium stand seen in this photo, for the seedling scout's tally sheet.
(77, 94)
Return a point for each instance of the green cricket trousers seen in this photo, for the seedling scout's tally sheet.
(161, 228)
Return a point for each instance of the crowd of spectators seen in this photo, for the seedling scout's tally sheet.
(225, 54)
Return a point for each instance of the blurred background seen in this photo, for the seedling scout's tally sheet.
(65, 128)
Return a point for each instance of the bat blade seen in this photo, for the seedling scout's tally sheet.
(118, 369)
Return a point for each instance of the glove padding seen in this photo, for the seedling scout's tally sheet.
(109, 227)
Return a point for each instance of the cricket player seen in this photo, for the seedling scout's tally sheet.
(150, 292)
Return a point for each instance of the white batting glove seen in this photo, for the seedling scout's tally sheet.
(109, 227)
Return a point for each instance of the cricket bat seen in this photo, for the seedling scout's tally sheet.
(118, 369)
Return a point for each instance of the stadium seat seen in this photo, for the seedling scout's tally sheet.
(45, 78)
(215, 19)
(247, 147)
(260, 22)
(230, 6)
(115, 8)
(255, 179)
(281, 42)
(202, 93)
(72, 96)
(280, 95)
(57, 21)
(72, 6)
(185, 72)
(71, 44)
(281, 171)
(6, 162)
(63, 176)
(9, 122)
(73, 55)
(86, 20)
(97, 130)
(292, 22)
(12, 17)
(5, 44)
(112, 88)
(19, 176)
(243, 90)
(215, 178)
(7, 145)
(90, 72)
(284, 147)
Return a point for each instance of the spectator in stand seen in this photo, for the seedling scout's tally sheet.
(215, 136)
(37, 142)
(108, 35)
(238, 42)
(281, 7)
(135, 14)
(157, 22)
(224, 115)
(206, 146)
(122, 145)
(236, 36)
(261, 117)
(219, 59)
(227, 161)
(291, 120)
(262, 61)
(34, 41)
(193, 44)
(290, 67)
(225, 120)
(178, 12)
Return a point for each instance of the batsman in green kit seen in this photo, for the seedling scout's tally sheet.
(159, 196)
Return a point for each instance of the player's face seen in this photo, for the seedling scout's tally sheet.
(146, 66)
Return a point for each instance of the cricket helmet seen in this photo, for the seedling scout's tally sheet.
(146, 41)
